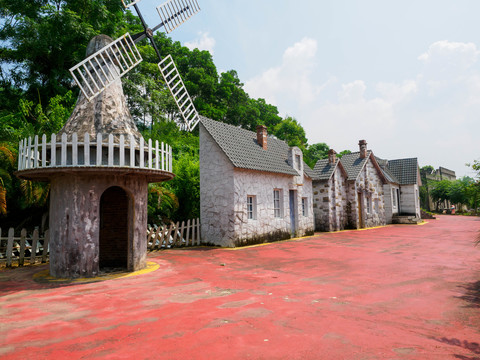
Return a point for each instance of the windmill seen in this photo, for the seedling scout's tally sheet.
(101, 69)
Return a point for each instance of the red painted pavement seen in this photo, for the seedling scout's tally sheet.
(398, 292)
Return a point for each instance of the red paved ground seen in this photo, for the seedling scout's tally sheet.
(399, 292)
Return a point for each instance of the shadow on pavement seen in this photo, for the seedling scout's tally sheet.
(471, 295)
(474, 347)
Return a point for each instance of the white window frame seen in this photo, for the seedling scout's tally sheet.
(298, 160)
(368, 199)
(394, 198)
(251, 207)
(277, 203)
(304, 206)
(377, 205)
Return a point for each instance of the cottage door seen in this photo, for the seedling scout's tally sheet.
(113, 242)
(361, 221)
(293, 212)
(398, 201)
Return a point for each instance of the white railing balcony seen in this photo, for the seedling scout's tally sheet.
(101, 152)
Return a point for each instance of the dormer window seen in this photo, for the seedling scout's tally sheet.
(298, 161)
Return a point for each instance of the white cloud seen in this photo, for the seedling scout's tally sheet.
(451, 54)
(205, 42)
(291, 78)
(433, 115)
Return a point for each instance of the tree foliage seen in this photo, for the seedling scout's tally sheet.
(464, 191)
(428, 169)
(315, 152)
(42, 39)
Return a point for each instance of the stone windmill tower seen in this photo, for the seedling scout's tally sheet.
(99, 165)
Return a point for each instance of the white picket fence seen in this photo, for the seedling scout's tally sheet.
(174, 235)
(29, 248)
(32, 248)
(36, 153)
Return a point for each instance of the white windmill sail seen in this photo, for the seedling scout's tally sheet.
(102, 68)
(174, 13)
(179, 92)
(128, 3)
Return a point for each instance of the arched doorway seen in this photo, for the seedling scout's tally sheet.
(114, 229)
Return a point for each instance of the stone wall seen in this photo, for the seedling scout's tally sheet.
(75, 222)
(367, 184)
(330, 199)
(216, 193)
(321, 204)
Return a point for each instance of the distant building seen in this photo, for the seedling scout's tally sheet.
(253, 188)
(431, 177)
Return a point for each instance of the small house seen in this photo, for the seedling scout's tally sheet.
(330, 196)
(402, 198)
(254, 188)
(365, 194)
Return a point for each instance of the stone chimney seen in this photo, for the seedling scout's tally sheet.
(262, 136)
(332, 157)
(363, 149)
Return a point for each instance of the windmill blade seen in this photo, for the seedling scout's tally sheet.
(174, 13)
(128, 3)
(179, 92)
(101, 69)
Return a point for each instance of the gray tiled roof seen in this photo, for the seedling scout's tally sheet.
(241, 147)
(405, 170)
(308, 171)
(353, 164)
(386, 171)
(323, 169)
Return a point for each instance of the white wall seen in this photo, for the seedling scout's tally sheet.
(409, 200)
(216, 192)
(390, 208)
(266, 226)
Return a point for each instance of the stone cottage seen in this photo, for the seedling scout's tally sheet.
(365, 179)
(402, 198)
(254, 188)
(330, 194)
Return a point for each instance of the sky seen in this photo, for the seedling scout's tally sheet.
(403, 75)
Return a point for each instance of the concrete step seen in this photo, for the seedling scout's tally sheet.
(406, 219)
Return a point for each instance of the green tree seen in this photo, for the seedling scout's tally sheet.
(474, 187)
(428, 169)
(344, 152)
(27, 199)
(315, 152)
(440, 191)
(290, 130)
(42, 39)
(458, 193)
